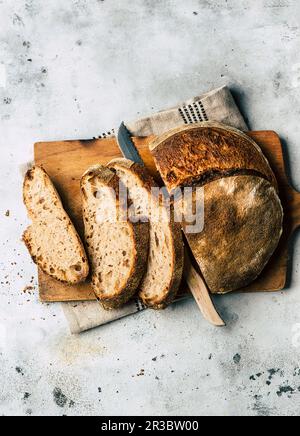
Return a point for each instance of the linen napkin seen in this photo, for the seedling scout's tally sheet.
(217, 105)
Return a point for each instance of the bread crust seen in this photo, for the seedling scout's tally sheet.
(141, 172)
(242, 228)
(140, 239)
(27, 235)
(203, 152)
(146, 181)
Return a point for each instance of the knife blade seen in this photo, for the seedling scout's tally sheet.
(127, 146)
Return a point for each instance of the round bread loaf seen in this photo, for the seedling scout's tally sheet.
(242, 227)
(242, 211)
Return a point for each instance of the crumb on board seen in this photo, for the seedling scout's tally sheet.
(7, 213)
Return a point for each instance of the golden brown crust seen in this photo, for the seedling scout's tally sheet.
(204, 152)
(242, 227)
(141, 172)
(27, 235)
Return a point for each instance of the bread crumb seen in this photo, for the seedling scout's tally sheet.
(27, 289)
(7, 213)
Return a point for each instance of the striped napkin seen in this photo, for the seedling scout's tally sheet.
(217, 105)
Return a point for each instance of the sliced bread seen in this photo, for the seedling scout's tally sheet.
(117, 248)
(52, 239)
(161, 281)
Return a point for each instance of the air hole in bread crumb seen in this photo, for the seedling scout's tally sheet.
(97, 194)
(30, 175)
(156, 240)
(124, 253)
(52, 270)
(170, 176)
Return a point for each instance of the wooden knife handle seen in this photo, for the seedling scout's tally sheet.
(201, 293)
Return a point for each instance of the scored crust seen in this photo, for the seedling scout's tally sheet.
(113, 283)
(159, 293)
(242, 227)
(52, 240)
(203, 152)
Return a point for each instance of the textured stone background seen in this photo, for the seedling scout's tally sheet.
(75, 68)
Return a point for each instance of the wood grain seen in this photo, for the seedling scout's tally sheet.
(201, 293)
(66, 161)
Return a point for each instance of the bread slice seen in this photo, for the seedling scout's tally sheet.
(52, 239)
(242, 227)
(161, 281)
(207, 151)
(118, 249)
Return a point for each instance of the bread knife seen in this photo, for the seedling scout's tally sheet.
(127, 146)
(194, 280)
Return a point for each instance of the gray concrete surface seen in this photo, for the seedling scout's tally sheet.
(74, 68)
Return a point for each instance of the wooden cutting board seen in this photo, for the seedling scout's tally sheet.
(66, 161)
